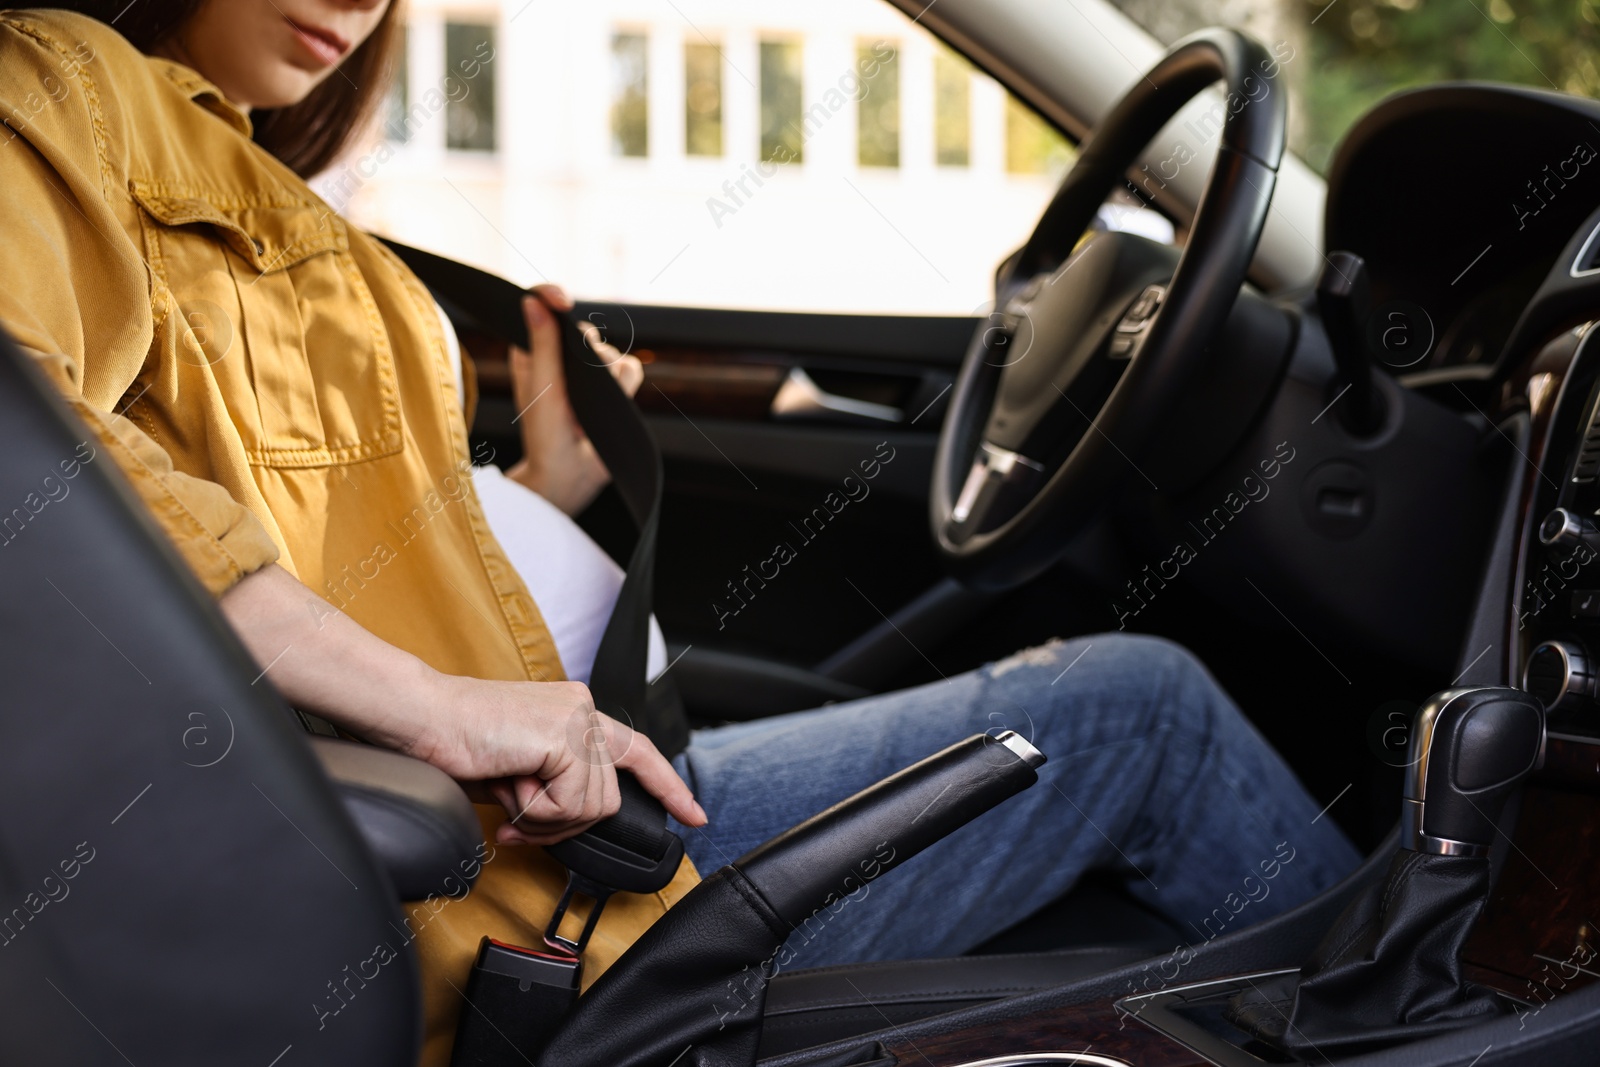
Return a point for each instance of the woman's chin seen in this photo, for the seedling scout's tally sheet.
(281, 88)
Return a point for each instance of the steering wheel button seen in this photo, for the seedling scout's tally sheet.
(1143, 309)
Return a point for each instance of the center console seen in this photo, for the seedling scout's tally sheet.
(1556, 634)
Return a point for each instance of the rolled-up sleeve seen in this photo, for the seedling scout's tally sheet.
(74, 288)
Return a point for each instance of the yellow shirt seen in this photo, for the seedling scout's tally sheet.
(276, 386)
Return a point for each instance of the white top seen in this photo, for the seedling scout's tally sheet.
(572, 580)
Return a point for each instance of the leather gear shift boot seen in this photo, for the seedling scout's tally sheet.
(1388, 971)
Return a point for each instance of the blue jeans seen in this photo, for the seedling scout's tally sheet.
(1153, 774)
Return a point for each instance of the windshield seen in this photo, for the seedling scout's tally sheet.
(1363, 50)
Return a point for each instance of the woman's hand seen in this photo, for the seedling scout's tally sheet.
(539, 748)
(558, 460)
(546, 755)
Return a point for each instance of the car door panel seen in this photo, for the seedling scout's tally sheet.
(797, 448)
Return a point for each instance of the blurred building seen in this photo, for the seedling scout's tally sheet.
(822, 156)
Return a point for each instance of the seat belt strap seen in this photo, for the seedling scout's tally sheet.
(493, 305)
(516, 998)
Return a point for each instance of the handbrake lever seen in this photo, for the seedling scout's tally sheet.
(799, 871)
(685, 983)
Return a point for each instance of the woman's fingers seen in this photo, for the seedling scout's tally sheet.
(598, 759)
(507, 834)
(538, 387)
(547, 757)
(553, 295)
(634, 752)
(540, 801)
(610, 795)
(545, 337)
(580, 790)
(533, 370)
(626, 369)
(628, 372)
(505, 794)
(557, 807)
(541, 363)
(607, 796)
(558, 461)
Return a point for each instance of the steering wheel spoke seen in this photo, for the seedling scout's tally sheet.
(999, 482)
(1095, 342)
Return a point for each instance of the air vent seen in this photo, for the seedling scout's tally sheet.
(1586, 466)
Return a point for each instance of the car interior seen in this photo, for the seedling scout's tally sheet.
(1403, 612)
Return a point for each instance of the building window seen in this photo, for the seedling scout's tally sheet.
(702, 100)
(952, 110)
(781, 102)
(398, 99)
(630, 95)
(469, 87)
(878, 105)
(1032, 145)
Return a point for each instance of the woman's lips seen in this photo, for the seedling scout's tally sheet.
(325, 45)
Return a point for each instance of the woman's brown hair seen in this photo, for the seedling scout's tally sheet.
(307, 136)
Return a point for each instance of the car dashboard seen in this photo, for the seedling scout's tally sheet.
(1461, 198)
(1488, 257)
(1475, 208)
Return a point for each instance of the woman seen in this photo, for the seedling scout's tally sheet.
(280, 392)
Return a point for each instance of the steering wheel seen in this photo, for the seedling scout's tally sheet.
(1095, 341)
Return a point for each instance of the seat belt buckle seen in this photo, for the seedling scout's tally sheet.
(576, 884)
(516, 999)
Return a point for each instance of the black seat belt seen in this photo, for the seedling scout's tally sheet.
(494, 306)
(518, 996)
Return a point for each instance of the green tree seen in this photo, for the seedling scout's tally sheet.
(1362, 50)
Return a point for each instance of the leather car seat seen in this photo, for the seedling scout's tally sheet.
(180, 882)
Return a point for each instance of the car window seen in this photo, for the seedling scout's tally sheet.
(830, 156)
(1356, 52)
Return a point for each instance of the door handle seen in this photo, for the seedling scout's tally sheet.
(800, 397)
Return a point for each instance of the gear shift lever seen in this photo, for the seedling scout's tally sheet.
(1390, 969)
(1469, 749)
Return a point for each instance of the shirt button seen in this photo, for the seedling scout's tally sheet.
(260, 248)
